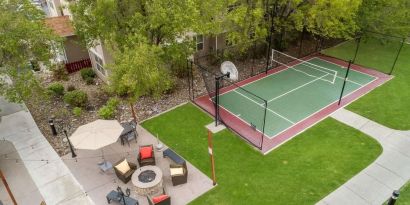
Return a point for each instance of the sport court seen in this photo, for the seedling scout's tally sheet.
(292, 95)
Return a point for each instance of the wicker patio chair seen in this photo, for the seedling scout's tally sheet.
(164, 198)
(181, 178)
(126, 177)
(146, 161)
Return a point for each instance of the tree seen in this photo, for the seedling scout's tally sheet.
(324, 18)
(138, 72)
(147, 38)
(390, 17)
(24, 40)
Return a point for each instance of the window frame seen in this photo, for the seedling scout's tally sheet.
(99, 63)
(201, 43)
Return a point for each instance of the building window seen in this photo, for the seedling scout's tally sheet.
(51, 4)
(99, 64)
(199, 42)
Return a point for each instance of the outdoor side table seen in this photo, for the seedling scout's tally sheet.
(105, 166)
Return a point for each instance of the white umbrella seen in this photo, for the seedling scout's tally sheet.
(96, 135)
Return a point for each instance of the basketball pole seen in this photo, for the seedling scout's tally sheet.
(7, 188)
(211, 155)
(217, 101)
(344, 82)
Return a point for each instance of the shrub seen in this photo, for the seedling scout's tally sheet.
(70, 88)
(56, 88)
(109, 109)
(106, 112)
(77, 111)
(89, 81)
(60, 73)
(76, 98)
(87, 73)
(113, 102)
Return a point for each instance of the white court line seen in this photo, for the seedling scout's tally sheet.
(247, 97)
(273, 136)
(227, 110)
(344, 67)
(286, 68)
(312, 65)
(266, 76)
(279, 96)
(266, 108)
(336, 76)
(313, 76)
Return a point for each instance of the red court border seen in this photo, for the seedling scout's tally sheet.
(255, 137)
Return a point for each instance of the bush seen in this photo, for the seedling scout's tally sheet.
(89, 81)
(77, 111)
(113, 102)
(56, 88)
(87, 73)
(70, 88)
(60, 73)
(76, 98)
(109, 109)
(106, 112)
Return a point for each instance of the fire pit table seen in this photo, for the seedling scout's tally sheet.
(147, 180)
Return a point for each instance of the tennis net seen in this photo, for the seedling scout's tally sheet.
(305, 67)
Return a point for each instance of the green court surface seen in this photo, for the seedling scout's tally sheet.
(292, 95)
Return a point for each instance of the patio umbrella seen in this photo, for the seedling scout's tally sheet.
(96, 135)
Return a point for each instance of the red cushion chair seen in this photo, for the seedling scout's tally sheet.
(146, 152)
(146, 155)
(162, 199)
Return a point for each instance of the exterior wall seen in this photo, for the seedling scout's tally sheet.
(74, 50)
(54, 8)
(65, 8)
(102, 53)
(211, 43)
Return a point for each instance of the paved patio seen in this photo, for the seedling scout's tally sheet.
(97, 184)
(20, 182)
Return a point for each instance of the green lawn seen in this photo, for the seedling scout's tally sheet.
(302, 171)
(404, 198)
(390, 103)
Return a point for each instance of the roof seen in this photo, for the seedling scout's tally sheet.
(61, 25)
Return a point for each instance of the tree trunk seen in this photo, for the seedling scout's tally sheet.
(133, 113)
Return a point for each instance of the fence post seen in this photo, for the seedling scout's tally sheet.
(301, 42)
(357, 48)
(269, 43)
(397, 56)
(344, 82)
(264, 122)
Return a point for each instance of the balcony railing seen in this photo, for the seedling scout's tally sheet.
(78, 65)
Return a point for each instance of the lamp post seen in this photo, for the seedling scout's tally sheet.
(62, 128)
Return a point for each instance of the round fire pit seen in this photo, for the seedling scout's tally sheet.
(147, 180)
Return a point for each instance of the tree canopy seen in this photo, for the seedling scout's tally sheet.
(24, 38)
(386, 16)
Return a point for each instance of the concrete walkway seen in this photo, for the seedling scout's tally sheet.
(390, 171)
(54, 181)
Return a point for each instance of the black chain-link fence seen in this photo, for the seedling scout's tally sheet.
(250, 59)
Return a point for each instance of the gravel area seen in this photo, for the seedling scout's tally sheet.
(43, 109)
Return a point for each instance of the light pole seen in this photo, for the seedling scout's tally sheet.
(62, 128)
